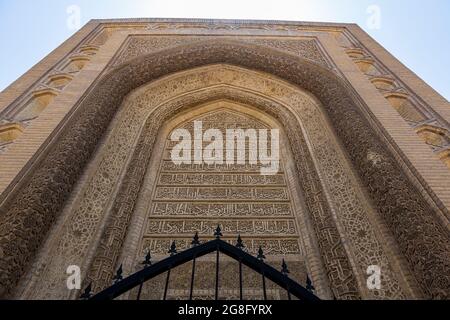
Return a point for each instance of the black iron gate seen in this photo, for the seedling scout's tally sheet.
(198, 250)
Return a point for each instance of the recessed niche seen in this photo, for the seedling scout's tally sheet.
(401, 102)
(383, 83)
(367, 66)
(36, 104)
(10, 132)
(355, 53)
(59, 81)
(76, 63)
(89, 49)
(434, 136)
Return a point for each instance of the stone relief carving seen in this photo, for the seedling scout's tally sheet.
(141, 45)
(231, 227)
(365, 249)
(220, 179)
(299, 101)
(271, 247)
(218, 193)
(342, 280)
(240, 25)
(221, 209)
(227, 189)
(142, 104)
(54, 179)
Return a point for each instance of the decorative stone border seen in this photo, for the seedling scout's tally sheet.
(418, 233)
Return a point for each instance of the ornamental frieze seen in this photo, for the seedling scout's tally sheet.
(137, 46)
(248, 228)
(276, 247)
(220, 179)
(220, 193)
(195, 209)
(285, 92)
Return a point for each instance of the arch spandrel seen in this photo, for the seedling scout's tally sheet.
(349, 124)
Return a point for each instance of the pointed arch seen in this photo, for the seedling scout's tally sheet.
(409, 216)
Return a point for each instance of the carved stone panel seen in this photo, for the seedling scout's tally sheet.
(163, 100)
(193, 198)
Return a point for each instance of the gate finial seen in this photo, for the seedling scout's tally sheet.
(240, 243)
(284, 268)
(195, 241)
(218, 233)
(148, 260)
(118, 277)
(261, 255)
(173, 249)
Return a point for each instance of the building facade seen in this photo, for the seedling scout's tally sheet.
(86, 177)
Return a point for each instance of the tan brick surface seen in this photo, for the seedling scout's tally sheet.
(26, 146)
(20, 86)
(427, 164)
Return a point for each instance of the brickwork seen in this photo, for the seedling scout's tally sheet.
(103, 49)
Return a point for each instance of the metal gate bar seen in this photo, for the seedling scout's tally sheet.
(198, 250)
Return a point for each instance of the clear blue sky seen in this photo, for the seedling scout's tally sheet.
(416, 31)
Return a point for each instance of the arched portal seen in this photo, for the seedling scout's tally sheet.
(325, 183)
(367, 154)
(177, 201)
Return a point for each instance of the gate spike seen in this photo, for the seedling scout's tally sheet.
(309, 284)
(218, 233)
(118, 277)
(261, 255)
(87, 294)
(148, 260)
(284, 268)
(240, 243)
(195, 242)
(173, 249)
